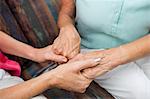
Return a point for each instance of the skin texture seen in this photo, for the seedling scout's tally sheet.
(81, 69)
(66, 76)
(23, 50)
(111, 58)
(114, 57)
(70, 46)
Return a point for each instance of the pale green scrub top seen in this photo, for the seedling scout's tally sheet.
(110, 23)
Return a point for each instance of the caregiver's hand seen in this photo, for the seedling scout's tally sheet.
(109, 59)
(46, 54)
(69, 76)
(68, 42)
(12, 46)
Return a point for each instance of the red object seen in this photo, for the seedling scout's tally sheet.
(10, 66)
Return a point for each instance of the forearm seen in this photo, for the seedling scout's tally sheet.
(11, 46)
(137, 49)
(28, 89)
(66, 14)
(114, 57)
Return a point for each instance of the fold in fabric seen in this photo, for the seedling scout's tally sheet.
(10, 66)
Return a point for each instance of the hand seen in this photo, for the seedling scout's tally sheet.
(47, 54)
(69, 76)
(88, 55)
(109, 59)
(68, 42)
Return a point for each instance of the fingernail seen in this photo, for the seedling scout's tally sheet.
(97, 59)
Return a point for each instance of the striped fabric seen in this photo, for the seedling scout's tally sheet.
(36, 25)
(34, 22)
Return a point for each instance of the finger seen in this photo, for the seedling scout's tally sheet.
(80, 65)
(70, 51)
(57, 50)
(96, 71)
(74, 51)
(89, 75)
(94, 54)
(56, 46)
(77, 58)
(58, 58)
(105, 60)
(101, 72)
(73, 54)
(65, 50)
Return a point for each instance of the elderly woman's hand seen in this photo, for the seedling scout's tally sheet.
(109, 59)
(68, 42)
(69, 76)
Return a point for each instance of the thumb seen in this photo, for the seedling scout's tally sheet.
(57, 58)
(87, 63)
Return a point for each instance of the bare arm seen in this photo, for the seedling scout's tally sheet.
(68, 41)
(66, 14)
(122, 55)
(11, 46)
(114, 57)
(67, 76)
(14, 47)
(28, 89)
(137, 49)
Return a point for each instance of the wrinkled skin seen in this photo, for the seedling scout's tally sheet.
(109, 60)
(67, 43)
(69, 76)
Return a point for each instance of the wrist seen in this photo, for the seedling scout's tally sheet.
(71, 31)
(65, 22)
(40, 84)
(125, 57)
(68, 26)
(30, 53)
(49, 79)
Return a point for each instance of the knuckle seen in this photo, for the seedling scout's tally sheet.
(54, 47)
(71, 55)
(80, 55)
(88, 71)
(82, 90)
(65, 53)
(58, 50)
(84, 85)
